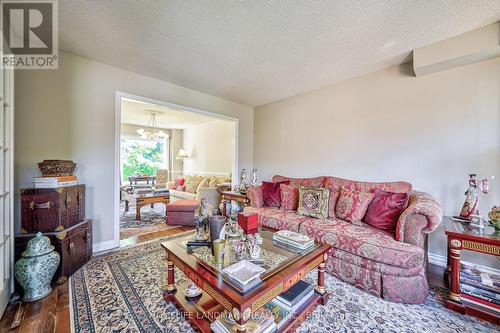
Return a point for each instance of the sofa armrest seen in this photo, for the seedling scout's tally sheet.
(170, 185)
(209, 193)
(254, 194)
(423, 215)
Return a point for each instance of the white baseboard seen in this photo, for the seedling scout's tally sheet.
(103, 246)
(439, 260)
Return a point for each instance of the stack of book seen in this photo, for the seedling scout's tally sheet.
(53, 182)
(285, 305)
(261, 322)
(292, 240)
(480, 288)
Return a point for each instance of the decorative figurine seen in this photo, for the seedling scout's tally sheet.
(243, 181)
(494, 216)
(254, 178)
(201, 216)
(470, 206)
(35, 270)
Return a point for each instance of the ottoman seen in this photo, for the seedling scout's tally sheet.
(181, 212)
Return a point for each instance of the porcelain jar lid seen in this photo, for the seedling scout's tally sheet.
(38, 246)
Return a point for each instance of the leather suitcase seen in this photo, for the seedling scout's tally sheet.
(73, 244)
(52, 209)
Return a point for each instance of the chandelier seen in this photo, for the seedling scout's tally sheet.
(152, 132)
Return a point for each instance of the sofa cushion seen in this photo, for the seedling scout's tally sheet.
(332, 200)
(289, 197)
(271, 193)
(203, 183)
(175, 194)
(352, 185)
(214, 181)
(315, 182)
(192, 183)
(351, 205)
(275, 218)
(385, 209)
(313, 201)
(363, 241)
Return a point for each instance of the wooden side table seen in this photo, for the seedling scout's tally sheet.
(133, 180)
(228, 196)
(463, 236)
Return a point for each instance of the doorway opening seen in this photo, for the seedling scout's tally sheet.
(166, 153)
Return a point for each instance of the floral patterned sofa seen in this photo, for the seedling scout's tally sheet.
(391, 266)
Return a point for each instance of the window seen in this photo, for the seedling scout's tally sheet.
(143, 156)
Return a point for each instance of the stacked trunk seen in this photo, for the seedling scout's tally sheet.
(58, 213)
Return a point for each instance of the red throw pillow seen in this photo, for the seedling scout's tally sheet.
(385, 209)
(289, 197)
(271, 193)
(181, 181)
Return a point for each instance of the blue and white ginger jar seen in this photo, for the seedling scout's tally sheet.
(35, 270)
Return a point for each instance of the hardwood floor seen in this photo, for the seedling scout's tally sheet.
(153, 235)
(51, 314)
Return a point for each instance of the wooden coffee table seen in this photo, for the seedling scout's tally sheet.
(221, 295)
(147, 199)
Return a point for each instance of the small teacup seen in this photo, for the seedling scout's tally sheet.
(192, 287)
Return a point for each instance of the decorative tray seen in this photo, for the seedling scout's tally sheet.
(243, 271)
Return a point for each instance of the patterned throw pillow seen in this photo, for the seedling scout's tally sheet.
(313, 201)
(332, 201)
(289, 197)
(351, 205)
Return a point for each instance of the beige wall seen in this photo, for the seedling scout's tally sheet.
(211, 147)
(431, 131)
(70, 113)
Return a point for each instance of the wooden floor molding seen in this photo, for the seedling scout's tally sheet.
(51, 314)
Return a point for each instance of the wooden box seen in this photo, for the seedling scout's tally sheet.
(249, 222)
(52, 209)
(73, 244)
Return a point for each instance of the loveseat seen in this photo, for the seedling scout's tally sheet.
(388, 265)
(197, 187)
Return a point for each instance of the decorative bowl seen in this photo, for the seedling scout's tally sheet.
(57, 167)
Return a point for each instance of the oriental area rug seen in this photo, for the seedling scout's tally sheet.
(152, 219)
(121, 291)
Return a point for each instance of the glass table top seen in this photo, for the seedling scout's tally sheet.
(273, 257)
(460, 227)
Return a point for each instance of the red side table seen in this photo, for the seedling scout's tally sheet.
(463, 236)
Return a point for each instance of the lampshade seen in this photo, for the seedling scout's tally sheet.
(182, 154)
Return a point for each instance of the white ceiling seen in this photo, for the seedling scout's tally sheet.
(256, 52)
(139, 113)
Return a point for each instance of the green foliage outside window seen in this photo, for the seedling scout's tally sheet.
(140, 156)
